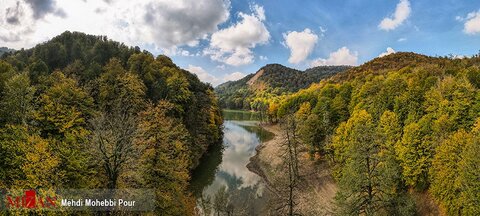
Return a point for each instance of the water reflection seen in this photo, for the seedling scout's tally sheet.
(240, 115)
(226, 170)
(239, 147)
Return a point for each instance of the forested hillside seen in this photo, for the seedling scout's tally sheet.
(271, 81)
(5, 50)
(82, 111)
(393, 127)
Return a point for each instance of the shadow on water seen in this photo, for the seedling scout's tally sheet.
(262, 134)
(240, 115)
(222, 173)
(205, 172)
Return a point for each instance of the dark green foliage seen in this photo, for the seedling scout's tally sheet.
(68, 47)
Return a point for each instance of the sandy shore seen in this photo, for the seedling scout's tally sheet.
(316, 188)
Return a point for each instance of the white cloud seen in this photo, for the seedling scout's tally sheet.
(459, 56)
(161, 24)
(16, 22)
(233, 76)
(402, 11)
(180, 22)
(472, 23)
(203, 75)
(323, 30)
(388, 52)
(263, 58)
(233, 45)
(402, 39)
(301, 44)
(342, 56)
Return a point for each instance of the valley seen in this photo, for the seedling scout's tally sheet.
(240, 108)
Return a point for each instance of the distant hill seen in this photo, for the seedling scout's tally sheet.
(270, 81)
(5, 50)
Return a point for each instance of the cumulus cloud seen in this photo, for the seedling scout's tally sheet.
(342, 56)
(157, 24)
(402, 11)
(14, 14)
(388, 52)
(301, 44)
(15, 23)
(183, 22)
(472, 23)
(233, 76)
(43, 7)
(233, 45)
(204, 76)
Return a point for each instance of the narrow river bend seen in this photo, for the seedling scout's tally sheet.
(223, 173)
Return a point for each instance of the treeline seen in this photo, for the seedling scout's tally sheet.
(254, 91)
(394, 126)
(82, 111)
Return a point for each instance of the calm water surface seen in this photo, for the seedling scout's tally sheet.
(224, 167)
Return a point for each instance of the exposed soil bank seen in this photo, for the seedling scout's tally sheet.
(316, 188)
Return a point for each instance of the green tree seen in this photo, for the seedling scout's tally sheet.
(469, 175)
(165, 159)
(63, 110)
(41, 164)
(445, 169)
(360, 179)
(452, 99)
(455, 173)
(415, 153)
(119, 89)
(12, 154)
(395, 199)
(310, 130)
(177, 86)
(37, 70)
(6, 71)
(369, 180)
(16, 104)
(29, 161)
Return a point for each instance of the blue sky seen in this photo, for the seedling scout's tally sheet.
(221, 40)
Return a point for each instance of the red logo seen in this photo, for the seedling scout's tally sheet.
(30, 200)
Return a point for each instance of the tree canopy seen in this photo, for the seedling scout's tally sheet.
(75, 110)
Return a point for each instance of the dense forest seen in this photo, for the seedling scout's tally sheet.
(392, 127)
(82, 111)
(271, 81)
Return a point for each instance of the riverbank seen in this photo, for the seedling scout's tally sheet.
(316, 188)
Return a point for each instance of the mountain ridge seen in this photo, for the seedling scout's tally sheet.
(269, 81)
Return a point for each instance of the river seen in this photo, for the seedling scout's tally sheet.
(222, 172)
